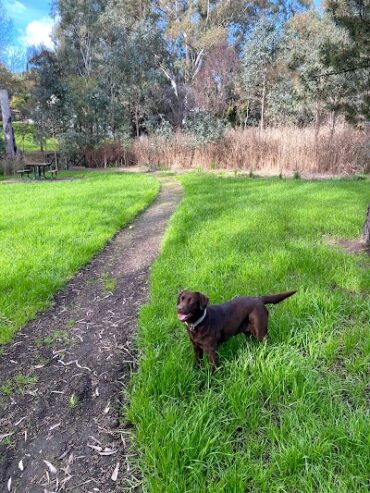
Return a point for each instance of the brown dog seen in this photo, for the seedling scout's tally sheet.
(211, 325)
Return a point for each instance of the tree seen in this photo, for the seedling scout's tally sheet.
(193, 29)
(101, 78)
(305, 37)
(48, 99)
(212, 89)
(352, 57)
(259, 62)
(10, 147)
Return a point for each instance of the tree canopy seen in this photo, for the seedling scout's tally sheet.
(121, 68)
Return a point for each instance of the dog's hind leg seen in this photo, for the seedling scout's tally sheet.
(258, 320)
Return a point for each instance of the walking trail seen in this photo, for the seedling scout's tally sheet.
(64, 376)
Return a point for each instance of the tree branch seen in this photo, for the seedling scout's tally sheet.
(350, 69)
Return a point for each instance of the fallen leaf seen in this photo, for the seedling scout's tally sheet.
(95, 447)
(115, 473)
(55, 426)
(107, 451)
(52, 469)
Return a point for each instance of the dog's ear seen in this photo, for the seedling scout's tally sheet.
(178, 296)
(203, 300)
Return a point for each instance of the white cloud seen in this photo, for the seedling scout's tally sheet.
(38, 33)
(15, 7)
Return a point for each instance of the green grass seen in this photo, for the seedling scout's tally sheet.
(109, 283)
(26, 138)
(286, 415)
(48, 230)
(57, 336)
(17, 385)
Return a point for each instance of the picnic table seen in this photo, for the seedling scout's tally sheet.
(38, 168)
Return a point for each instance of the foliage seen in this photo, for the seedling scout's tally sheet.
(353, 57)
(120, 68)
(287, 415)
(39, 254)
(306, 35)
(259, 68)
(204, 128)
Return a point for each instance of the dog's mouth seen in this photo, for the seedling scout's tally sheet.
(183, 317)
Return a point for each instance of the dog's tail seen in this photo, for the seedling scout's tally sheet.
(276, 298)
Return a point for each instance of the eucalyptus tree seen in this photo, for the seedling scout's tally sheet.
(48, 94)
(106, 50)
(353, 56)
(129, 44)
(259, 62)
(191, 30)
(305, 37)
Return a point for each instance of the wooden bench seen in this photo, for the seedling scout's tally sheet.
(22, 172)
(53, 172)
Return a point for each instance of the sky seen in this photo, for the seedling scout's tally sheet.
(31, 20)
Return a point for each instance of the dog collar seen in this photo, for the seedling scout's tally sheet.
(193, 326)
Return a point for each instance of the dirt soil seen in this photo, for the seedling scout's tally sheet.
(349, 246)
(62, 379)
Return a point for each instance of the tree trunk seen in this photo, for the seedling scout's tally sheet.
(246, 116)
(317, 124)
(10, 147)
(137, 121)
(262, 122)
(367, 227)
(333, 121)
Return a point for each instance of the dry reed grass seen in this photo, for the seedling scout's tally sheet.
(275, 150)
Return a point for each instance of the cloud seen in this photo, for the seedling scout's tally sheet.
(38, 32)
(15, 7)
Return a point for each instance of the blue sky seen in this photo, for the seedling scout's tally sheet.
(31, 20)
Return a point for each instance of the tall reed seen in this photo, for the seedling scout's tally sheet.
(275, 150)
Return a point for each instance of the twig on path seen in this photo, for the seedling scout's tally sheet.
(55, 426)
(20, 421)
(75, 361)
(95, 447)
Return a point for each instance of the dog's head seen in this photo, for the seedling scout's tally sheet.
(190, 305)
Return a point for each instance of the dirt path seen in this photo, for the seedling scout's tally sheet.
(62, 378)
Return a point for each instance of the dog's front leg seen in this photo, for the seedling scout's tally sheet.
(212, 357)
(198, 351)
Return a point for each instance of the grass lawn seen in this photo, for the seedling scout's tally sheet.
(26, 138)
(288, 415)
(48, 230)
